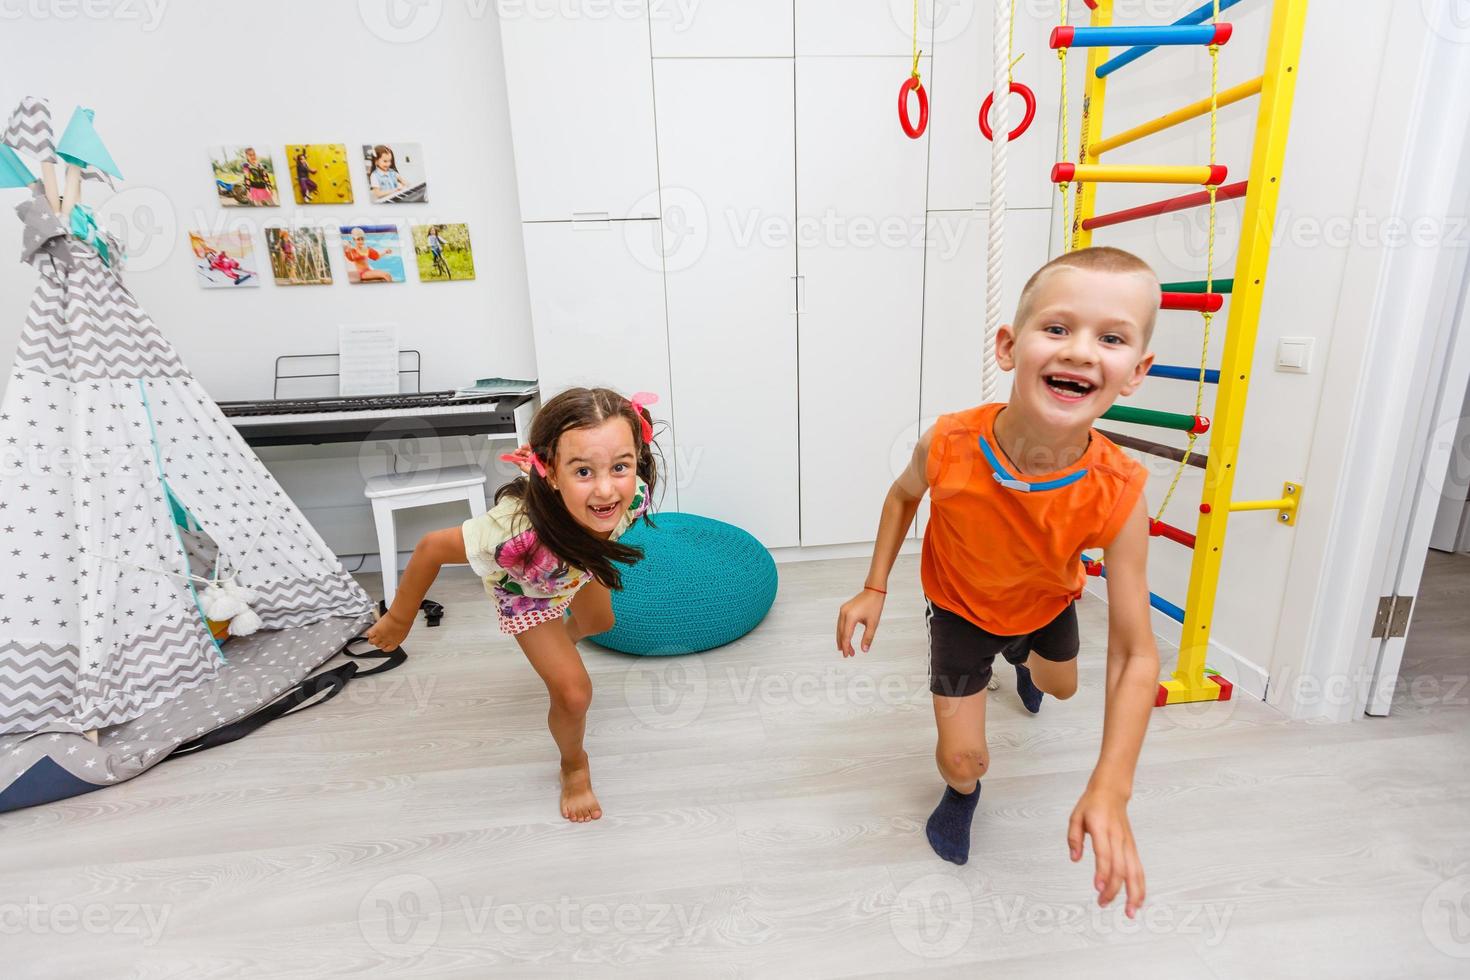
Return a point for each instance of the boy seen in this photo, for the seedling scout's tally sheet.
(1018, 490)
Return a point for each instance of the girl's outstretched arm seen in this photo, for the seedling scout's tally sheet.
(435, 550)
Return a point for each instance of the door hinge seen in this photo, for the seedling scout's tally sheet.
(1392, 618)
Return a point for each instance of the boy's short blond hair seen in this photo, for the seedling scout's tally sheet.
(1098, 258)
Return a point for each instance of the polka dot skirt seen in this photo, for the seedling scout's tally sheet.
(529, 620)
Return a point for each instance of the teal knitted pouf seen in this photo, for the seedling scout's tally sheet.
(701, 584)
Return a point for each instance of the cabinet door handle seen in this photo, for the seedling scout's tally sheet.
(602, 216)
(800, 288)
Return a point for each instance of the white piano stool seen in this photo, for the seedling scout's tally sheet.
(401, 491)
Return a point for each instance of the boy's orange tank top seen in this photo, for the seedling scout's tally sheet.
(1009, 561)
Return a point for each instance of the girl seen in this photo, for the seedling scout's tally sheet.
(260, 183)
(383, 176)
(436, 246)
(545, 552)
(305, 186)
(361, 255)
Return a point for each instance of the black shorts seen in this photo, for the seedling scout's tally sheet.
(961, 653)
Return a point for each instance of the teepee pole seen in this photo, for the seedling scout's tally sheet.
(73, 192)
(51, 185)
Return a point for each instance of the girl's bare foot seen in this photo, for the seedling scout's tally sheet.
(578, 803)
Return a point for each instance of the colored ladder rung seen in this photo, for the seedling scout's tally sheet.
(1157, 449)
(1182, 203)
(1086, 173)
(1199, 302)
(1153, 35)
(1159, 529)
(1230, 96)
(1225, 286)
(1180, 373)
(1095, 567)
(1163, 420)
(1196, 16)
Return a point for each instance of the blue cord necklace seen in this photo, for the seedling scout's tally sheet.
(1005, 479)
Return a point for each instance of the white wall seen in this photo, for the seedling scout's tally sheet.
(167, 87)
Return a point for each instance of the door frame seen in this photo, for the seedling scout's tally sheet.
(1415, 292)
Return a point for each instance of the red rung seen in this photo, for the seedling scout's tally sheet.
(1185, 201)
(1161, 530)
(1202, 302)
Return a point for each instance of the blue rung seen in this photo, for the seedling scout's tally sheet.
(1158, 602)
(1198, 16)
(1181, 373)
(1106, 37)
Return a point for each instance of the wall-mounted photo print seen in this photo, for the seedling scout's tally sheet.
(319, 173)
(299, 256)
(244, 177)
(395, 173)
(224, 260)
(373, 253)
(443, 252)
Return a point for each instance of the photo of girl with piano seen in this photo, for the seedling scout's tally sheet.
(546, 553)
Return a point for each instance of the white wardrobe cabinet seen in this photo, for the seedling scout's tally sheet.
(959, 167)
(865, 27)
(726, 146)
(597, 304)
(581, 109)
(860, 199)
(721, 28)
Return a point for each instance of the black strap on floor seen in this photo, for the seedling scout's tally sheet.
(316, 689)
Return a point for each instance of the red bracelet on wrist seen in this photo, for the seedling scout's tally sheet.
(874, 588)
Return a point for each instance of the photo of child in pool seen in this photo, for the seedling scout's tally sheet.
(395, 173)
(224, 260)
(244, 177)
(373, 253)
(443, 252)
(298, 256)
(319, 173)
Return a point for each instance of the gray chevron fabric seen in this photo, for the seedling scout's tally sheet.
(29, 130)
(102, 429)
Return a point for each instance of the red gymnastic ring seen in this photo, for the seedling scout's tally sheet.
(912, 84)
(1024, 91)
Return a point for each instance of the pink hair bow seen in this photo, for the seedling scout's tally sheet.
(640, 401)
(525, 457)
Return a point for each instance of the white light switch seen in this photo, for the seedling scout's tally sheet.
(1294, 355)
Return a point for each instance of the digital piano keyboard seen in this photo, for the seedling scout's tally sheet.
(308, 421)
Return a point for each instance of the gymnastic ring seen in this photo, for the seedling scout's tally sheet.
(1027, 95)
(912, 84)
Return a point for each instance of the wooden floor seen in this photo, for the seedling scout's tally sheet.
(764, 816)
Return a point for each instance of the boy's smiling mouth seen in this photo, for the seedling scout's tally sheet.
(1069, 387)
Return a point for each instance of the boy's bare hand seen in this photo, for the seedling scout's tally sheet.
(388, 632)
(1103, 815)
(865, 608)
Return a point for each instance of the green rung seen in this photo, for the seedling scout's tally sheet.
(1147, 416)
(1198, 286)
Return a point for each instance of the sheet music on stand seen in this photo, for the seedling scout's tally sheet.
(318, 375)
(367, 359)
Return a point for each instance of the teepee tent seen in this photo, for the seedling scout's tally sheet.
(126, 501)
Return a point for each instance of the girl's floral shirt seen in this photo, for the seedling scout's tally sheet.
(519, 574)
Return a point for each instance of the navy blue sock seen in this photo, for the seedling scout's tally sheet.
(1030, 693)
(948, 828)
